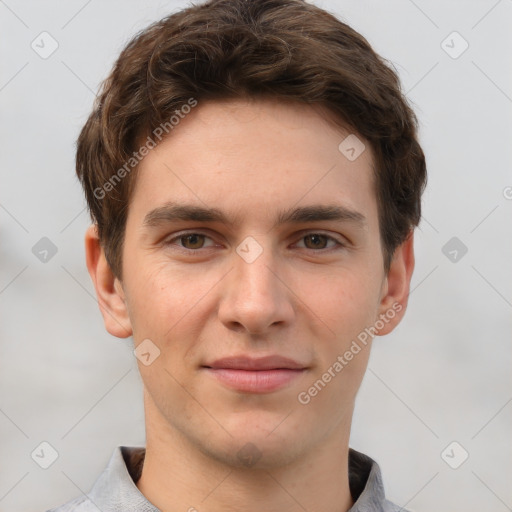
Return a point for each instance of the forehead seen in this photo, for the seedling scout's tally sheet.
(254, 157)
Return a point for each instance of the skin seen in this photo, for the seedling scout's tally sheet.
(304, 297)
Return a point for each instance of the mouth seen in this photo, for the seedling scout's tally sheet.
(250, 375)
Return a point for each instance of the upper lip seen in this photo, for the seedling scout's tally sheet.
(250, 363)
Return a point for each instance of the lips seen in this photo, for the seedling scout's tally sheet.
(255, 375)
(262, 363)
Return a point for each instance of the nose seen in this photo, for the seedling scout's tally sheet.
(256, 296)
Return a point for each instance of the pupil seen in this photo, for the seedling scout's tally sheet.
(315, 237)
(193, 239)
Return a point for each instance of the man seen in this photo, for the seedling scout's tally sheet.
(254, 178)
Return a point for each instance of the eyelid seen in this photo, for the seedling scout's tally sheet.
(182, 234)
(340, 244)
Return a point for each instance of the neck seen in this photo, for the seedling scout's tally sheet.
(177, 477)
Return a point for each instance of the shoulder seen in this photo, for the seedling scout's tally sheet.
(391, 507)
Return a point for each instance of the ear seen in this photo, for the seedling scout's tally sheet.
(109, 290)
(396, 286)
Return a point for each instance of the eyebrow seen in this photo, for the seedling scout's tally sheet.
(171, 212)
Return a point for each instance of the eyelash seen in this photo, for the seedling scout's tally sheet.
(191, 252)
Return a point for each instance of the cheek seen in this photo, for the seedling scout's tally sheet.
(346, 307)
(166, 308)
(148, 295)
(168, 305)
(345, 303)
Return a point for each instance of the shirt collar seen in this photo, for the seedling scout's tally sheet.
(115, 488)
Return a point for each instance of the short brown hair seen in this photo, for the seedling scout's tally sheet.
(222, 49)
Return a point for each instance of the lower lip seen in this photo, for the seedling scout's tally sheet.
(255, 381)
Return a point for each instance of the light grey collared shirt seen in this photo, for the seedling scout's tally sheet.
(115, 489)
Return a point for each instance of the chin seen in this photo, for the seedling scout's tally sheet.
(256, 454)
(259, 441)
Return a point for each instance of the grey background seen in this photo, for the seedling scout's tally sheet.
(442, 376)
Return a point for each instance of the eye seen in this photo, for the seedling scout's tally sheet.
(318, 241)
(190, 241)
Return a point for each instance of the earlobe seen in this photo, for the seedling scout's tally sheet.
(109, 290)
(397, 285)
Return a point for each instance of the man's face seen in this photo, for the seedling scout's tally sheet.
(253, 286)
